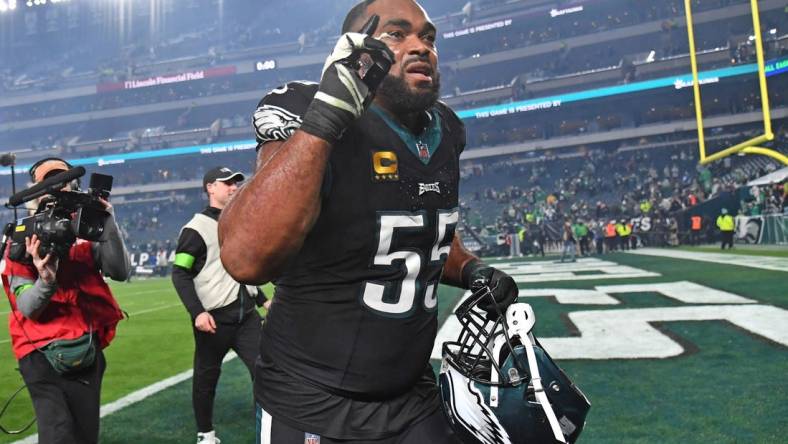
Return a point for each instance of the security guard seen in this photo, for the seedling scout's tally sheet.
(222, 310)
(610, 235)
(695, 227)
(581, 234)
(521, 235)
(727, 225)
(623, 231)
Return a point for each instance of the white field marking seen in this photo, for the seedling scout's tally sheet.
(135, 293)
(762, 262)
(622, 272)
(525, 272)
(151, 310)
(7, 312)
(137, 396)
(533, 267)
(571, 296)
(628, 333)
(687, 292)
(684, 291)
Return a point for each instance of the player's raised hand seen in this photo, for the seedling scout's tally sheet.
(343, 96)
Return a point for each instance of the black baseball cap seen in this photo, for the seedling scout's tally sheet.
(222, 174)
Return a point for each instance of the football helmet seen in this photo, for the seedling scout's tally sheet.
(498, 384)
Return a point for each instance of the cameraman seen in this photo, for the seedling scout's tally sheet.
(62, 305)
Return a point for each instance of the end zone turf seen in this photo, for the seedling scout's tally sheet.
(724, 382)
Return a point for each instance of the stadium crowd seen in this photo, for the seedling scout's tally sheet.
(600, 185)
(664, 178)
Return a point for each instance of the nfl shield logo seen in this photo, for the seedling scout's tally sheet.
(311, 438)
(424, 152)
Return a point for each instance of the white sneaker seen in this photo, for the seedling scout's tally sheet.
(208, 438)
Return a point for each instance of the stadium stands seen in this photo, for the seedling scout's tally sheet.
(493, 54)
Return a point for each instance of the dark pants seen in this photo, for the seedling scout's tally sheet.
(599, 246)
(611, 243)
(434, 429)
(695, 237)
(584, 251)
(67, 407)
(525, 246)
(727, 238)
(209, 350)
(624, 240)
(540, 248)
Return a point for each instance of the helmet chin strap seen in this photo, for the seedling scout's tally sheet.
(520, 320)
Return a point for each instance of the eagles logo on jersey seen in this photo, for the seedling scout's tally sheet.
(272, 122)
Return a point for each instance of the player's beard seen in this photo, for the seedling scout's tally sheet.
(399, 98)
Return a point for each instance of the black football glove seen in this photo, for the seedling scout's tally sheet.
(502, 286)
(343, 96)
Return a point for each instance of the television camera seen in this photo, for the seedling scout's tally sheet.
(62, 216)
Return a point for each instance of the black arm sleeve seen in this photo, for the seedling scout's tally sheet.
(190, 245)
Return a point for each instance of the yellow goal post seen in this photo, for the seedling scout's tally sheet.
(748, 146)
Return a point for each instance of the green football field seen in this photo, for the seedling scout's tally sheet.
(725, 381)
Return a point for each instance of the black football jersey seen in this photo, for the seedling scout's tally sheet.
(355, 310)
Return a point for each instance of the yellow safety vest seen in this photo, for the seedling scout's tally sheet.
(726, 223)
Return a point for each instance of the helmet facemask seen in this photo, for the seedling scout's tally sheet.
(478, 351)
(499, 385)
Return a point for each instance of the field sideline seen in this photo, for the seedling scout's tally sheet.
(727, 385)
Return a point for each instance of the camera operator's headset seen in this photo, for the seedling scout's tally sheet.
(48, 167)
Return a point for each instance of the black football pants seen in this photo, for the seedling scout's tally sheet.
(209, 350)
(67, 407)
(434, 429)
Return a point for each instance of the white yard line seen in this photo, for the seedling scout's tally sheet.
(761, 262)
(135, 293)
(132, 294)
(137, 396)
(151, 310)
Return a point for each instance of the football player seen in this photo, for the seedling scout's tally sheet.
(352, 213)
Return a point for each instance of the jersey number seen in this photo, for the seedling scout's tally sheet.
(412, 259)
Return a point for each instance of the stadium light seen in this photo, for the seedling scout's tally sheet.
(7, 5)
(36, 3)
